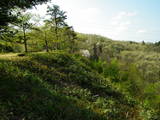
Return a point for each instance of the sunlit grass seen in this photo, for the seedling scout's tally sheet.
(8, 55)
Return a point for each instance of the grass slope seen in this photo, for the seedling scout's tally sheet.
(59, 86)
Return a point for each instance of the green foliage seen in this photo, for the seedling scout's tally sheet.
(56, 21)
(112, 70)
(6, 7)
(24, 25)
(6, 47)
(59, 86)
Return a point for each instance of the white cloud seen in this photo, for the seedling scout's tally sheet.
(124, 14)
(88, 15)
(142, 31)
(91, 11)
(121, 23)
(130, 14)
(85, 19)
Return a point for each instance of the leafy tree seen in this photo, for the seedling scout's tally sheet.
(143, 43)
(6, 7)
(112, 70)
(95, 52)
(70, 37)
(56, 21)
(46, 41)
(23, 25)
(44, 30)
(157, 43)
(8, 34)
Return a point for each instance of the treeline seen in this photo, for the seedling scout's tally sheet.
(25, 35)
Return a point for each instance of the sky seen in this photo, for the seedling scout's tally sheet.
(130, 20)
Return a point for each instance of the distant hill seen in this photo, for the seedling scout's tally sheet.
(146, 56)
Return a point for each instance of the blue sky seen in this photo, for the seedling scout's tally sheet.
(136, 20)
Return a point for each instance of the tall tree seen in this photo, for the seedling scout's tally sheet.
(6, 7)
(57, 20)
(23, 25)
(71, 37)
(95, 52)
(44, 31)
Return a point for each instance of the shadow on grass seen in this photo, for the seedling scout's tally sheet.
(24, 95)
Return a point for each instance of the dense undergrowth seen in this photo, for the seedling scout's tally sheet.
(60, 86)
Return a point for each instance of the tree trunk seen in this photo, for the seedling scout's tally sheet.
(25, 40)
(25, 45)
(95, 53)
(56, 31)
(46, 42)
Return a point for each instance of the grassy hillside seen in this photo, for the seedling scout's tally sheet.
(122, 85)
(59, 86)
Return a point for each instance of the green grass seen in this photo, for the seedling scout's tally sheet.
(59, 86)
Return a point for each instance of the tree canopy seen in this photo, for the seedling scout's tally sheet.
(7, 6)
